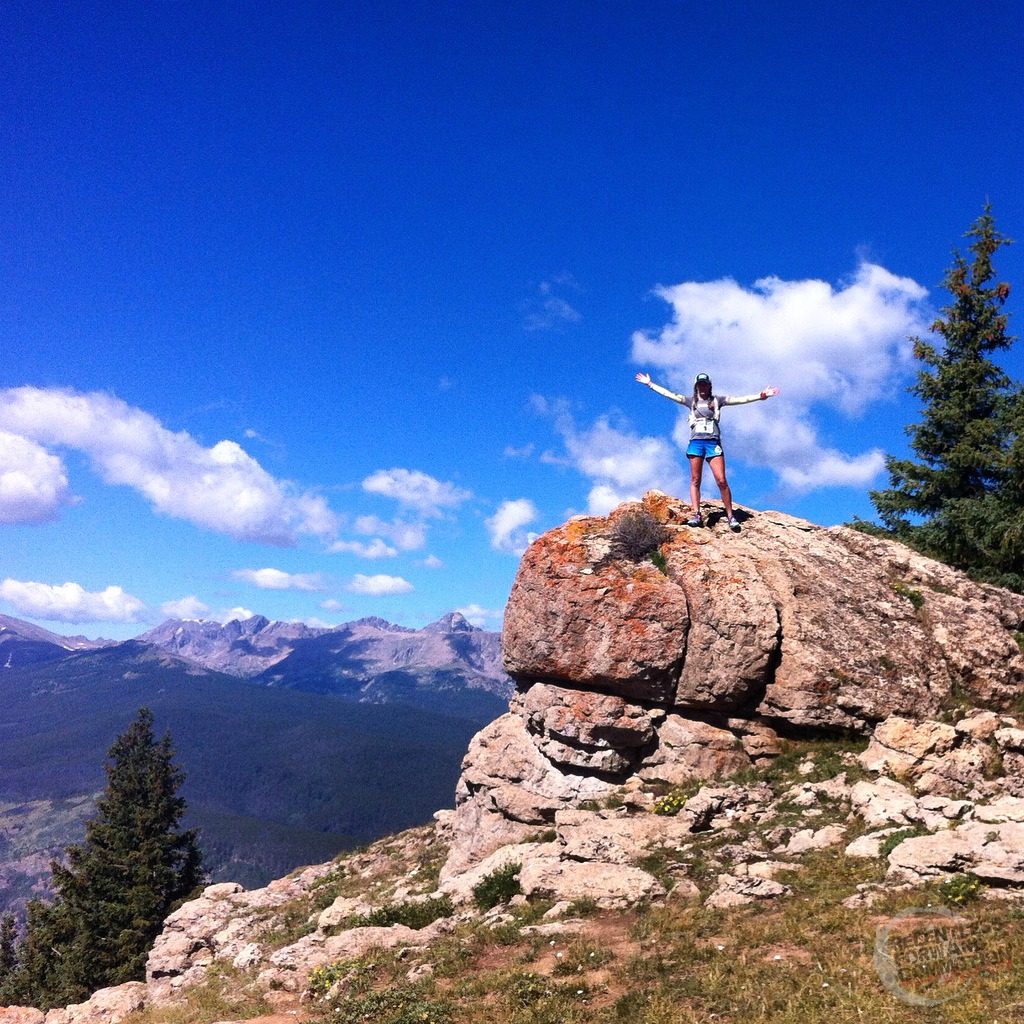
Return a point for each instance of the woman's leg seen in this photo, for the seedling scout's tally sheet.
(696, 471)
(718, 468)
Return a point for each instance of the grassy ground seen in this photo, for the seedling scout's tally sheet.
(803, 959)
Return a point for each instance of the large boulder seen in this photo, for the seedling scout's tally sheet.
(107, 1006)
(628, 672)
(816, 627)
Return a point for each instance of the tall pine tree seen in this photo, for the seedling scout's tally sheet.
(8, 942)
(960, 500)
(114, 890)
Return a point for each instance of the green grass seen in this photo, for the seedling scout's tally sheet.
(891, 841)
(415, 915)
(497, 887)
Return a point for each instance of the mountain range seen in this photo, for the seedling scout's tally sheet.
(296, 741)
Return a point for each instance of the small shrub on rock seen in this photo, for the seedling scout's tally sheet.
(497, 887)
(672, 803)
(636, 534)
(959, 890)
(413, 914)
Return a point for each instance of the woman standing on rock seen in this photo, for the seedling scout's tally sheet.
(705, 438)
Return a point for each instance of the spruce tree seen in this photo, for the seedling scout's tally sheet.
(114, 890)
(960, 500)
(8, 941)
(40, 977)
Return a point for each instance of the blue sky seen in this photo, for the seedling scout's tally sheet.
(319, 310)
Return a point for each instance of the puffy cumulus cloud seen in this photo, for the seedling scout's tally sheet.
(406, 536)
(479, 616)
(379, 585)
(375, 548)
(278, 579)
(621, 464)
(431, 562)
(33, 483)
(506, 526)
(186, 608)
(822, 344)
(830, 349)
(220, 488)
(419, 491)
(333, 605)
(70, 602)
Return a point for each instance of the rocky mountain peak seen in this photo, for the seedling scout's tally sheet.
(453, 622)
(253, 624)
(375, 622)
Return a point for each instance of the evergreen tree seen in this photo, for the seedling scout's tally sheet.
(115, 889)
(8, 941)
(39, 978)
(960, 501)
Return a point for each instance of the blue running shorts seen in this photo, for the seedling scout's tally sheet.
(705, 448)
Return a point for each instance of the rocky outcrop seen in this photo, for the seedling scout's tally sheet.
(223, 925)
(106, 1006)
(625, 671)
(993, 852)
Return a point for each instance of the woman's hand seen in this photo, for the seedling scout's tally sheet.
(769, 392)
(644, 378)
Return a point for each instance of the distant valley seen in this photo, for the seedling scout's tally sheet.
(296, 741)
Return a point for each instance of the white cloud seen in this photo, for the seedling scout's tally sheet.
(431, 562)
(186, 608)
(524, 453)
(404, 535)
(479, 616)
(379, 585)
(277, 579)
(416, 490)
(69, 602)
(837, 350)
(220, 488)
(506, 526)
(238, 613)
(33, 483)
(333, 605)
(376, 548)
(551, 310)
(314, 623)
(621, 464)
